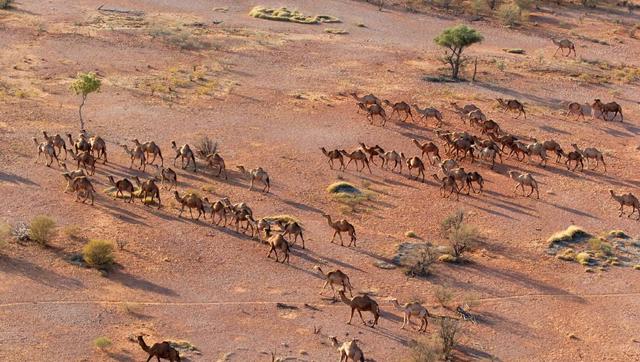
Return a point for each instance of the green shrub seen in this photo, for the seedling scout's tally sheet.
(98, 253)
(41, 229)
(509, 14)
(600, 245)
(4, 4)
(570, 234)
(102, 342)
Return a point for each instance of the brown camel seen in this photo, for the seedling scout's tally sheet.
(160, 350)
(575, 108)
(122, 186)
(348, 350)
(80, 144)
(464, 111)
(150, 148)
(48, 150)
(58, 142)
(564, 44)
(372, 151)
(219, 208)
(605, 108)
(591, 153)
(361, 303)
(168, 175)
(86, 160)
(184, 153)
(342, 226)
(367, 100)
(192, 201)
(291, 228)
(137, 153)
(574, 156)
(216, 161)
(81, 186)
(335, 277)
(357, 155)
(98, 148)
(627, 199)
(447, 183)
(397, 157)
(148, 189)
(427, 148)
(276, 242)
(403, 107)
(70, 175)
(333, 155)
(512, 105)
(416, 162)
(374, 110)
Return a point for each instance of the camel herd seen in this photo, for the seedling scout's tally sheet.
(453, 148)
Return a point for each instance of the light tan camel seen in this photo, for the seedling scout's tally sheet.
(192, 201)
(412, 309)
(348, 350)
(98, 148)
(58, 142)
(291, 228)
(150, 148)
(361, 303)
(627, 199)
(81, 186)
(71, 175)
(372, 151)
(429, 112)
(416, 162)
(216, 161)
(591, 153)
(537, 149)
(427, 148)
(137, 153)
(367, 100)
(257, 174)
(148, 189)
(553, 146)
(575, 108)
(184, 153)
(276, 242)
(488, 154)
(333, 155)
(357, 155)
(122, 186)
(604, 108)
(563, 44)
(512, 105)
(463, 111)
(219, 208)
(335, 277)
(342, 226)
(392, 156)
(402, 106)
(48, 150)
(166, 174)
(522, 180)
(80, 144)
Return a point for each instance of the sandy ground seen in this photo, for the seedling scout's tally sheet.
(278, 95)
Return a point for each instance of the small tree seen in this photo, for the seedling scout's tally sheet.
(456, 40)
(85, 84)
(448, 331)
(461, 236)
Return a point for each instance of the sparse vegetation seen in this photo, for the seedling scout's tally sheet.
(42, 229)
(570, 234)
(443, 295)
(206, 146)
(294, 16)
(349, 195)
(425, 350)
(583, 258)
(448, 330)
(5, 234)
(283, 218)
(456, 40)
(419, 264)
(20, 231)
(83, 85)
(102, 342)
(462, 237)
(411, 234)
(599, 245)
(98, 253)
(618, 234)
(5, 4)
(509, 14)
(336, 31)
(72, 232)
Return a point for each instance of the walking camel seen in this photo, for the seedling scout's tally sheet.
(98, 148)
(575, 108)
(429, 112)
(447, 183)
(591, 153)
(122, 186)
(58, 142)
(341, 226)
(374, 110)
(150, 148)
(184, 153)
(168, 175)
(357, 155)
(80, 144)
(137, 153)
(216, 161)
(81, 186)
(160, 350)
(512, 105)
(86, 160)
(257, 174)
(416, 162)
(361, 303)
(427, 148)
(48, 150)
(413, 309)
(148, 189)
(335, 277)
(397, 158)
(564, 44)
(367, 100)
(192, 201)
(291, 228)
(402, 106)
(372, 151)
(627, 199)
(574, 156)
(348, 350)
(276, 242)
(604, 108)
(333, 155)
(522, 180)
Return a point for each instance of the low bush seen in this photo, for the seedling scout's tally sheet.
(509, 14)
(443, 295)
(425, 350)
(98, 253)
(102, 342)
(570, 234)
(4, 4)
(411, 234)
(41, 229)
(583, 258)
(448, 330)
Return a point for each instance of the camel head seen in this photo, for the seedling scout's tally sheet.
(241, 169)
(613, 194)
(387, 102)
(513, 174)
(173, 145)
(67, 176)
(135, 141)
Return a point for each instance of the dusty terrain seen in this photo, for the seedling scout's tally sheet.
(271, 93)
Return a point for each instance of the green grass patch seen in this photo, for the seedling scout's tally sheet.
(349, 195)
(294, 16)
(599, 245)
(102, 342)
(567, 254)
(570, 234)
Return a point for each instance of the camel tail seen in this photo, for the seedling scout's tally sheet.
(143, 345)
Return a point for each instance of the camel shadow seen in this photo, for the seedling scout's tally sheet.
(38, 274)
(15, 179)
(135, 282)
(337, 262)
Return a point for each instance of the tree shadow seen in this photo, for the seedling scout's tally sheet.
(38, 274)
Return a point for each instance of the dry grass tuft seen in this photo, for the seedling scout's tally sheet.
(42, 229)
(570, 234)
(294, 16)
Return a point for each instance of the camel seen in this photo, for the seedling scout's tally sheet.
(361, 303)
(278, 241)
(148, 188)
(476, 118)
(150, 148)
(448, 165)
(564, 44)
(447, 182)
(184, 153)
(342, 226)
(80, 144)
(99, 147)
(367, 100)
(219, 208)
(413, 309)
(333, 155)
(518, 149)
(58, 142)
(215, 160)
(576, 157)
(81, 185)
(72, 174)
(464, 111)
(86, 160)
(257, 174)
(192, 201)
(537, 149)
(335, 277)
(460, 175)
(160, 350)
(374, 110)
(488, 153)
(505, 140)
(427, 148)
(552, 145)
(397, 158)
(137, 153)
(416, 162)
(166, 174)
(522, 180)
(627, 199)
(575, 108)
(512, 105)
(348, 350)
(372, 151)
(48, 150)
(604, 108)
(478, 179)
(260, 225)
(429, 112)
(122, 186)
(357, 155)
(400, 107)
(489, 126)
(291, 228)
(589, 153)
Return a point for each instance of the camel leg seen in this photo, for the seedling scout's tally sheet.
(404, 321)
(340, 235)
(350, 318)
(367, 163)
(334, 236)
(362, 319)
(324, 286)
(621, 210)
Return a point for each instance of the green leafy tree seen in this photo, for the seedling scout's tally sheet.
(83, 85)
(456, 40)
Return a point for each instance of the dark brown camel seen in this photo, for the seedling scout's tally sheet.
(160, 350)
